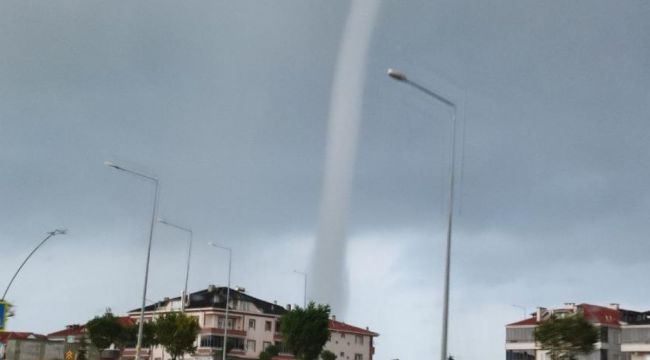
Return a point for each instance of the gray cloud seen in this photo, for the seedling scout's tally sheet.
(227, 103)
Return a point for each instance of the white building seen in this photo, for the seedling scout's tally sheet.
(252, 324)
(624, 334)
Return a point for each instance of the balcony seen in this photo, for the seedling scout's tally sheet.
(220, 331)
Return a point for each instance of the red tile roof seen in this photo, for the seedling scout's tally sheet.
(77, 330)
(343, 327)
(600, 314)
(70, 330)
(592, 313)
(529, 321)
(11, 335)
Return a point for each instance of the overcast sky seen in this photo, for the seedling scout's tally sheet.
(227, 102)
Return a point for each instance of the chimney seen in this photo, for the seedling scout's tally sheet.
(334, 317)
(615, 306)
(240, 289)
(275, 302)
(540, 313)
(211, 288)
(289, 307)
(570, 306)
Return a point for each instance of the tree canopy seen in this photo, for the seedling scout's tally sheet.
(104, 330)
(327, 355)
(176, 332)
(566, 337)
(306, 330)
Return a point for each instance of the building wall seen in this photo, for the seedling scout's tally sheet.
(346, 345)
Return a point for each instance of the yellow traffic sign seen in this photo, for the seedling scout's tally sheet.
(69, 355)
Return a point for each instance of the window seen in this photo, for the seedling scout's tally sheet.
(267, 326)
(244, 305)
(265, 345)
(277, 326)
(358, 357)
(358, 339)
(603, 354)
(342, 336)
(604, 334)
(211, 341)
(342, 354)
(250, 345)
(251, 324)
(222, 321)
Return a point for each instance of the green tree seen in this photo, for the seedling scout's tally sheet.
(129, 336)
(327, 355)
(306, 330)
(566, 337)
(269, 352)
(176, 332)
(104, 330)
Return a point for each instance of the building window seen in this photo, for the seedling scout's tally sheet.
(244, 305)
(211, 341)
(267, 326)
(358, 357)
(265, 345)
(342, 354)
(604, 334)
(603, 354)
(250, 345)
(251, 324)
(277, 327)
(342, 336)
(222, 321)
(358, 339)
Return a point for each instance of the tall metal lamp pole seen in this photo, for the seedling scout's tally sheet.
(156, 183)
(189, 255)
(49, 235)
(225, 331)
(399, 76)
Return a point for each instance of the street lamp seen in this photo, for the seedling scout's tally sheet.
(304, 293)
(189, 254)
(399, 76)
(146, 268)
(49, 235)
(225, 328)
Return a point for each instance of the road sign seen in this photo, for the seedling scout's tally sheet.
(4, 311)
(69, 355)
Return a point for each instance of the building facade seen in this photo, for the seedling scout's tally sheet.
(349, 342)
(624, 334)
(252, 324)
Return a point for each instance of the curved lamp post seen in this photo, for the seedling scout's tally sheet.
(225, 327)
(189, 254)
(146, 269)
(49, 235)
(399, 76)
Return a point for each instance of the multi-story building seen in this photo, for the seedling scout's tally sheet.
(252, 325)
(624, 334)
(349, 342)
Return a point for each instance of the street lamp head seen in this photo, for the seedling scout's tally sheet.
(58, 232)
(396, 74)
(111, 164)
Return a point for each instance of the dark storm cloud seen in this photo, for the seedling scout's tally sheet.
(227, 103)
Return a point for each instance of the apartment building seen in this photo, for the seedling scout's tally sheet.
(624, 334)
(252, 324)
(349, 342)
